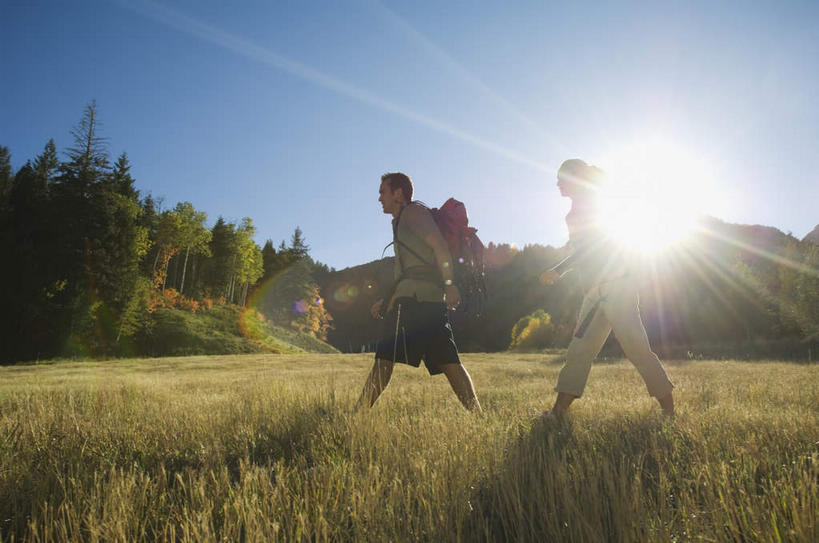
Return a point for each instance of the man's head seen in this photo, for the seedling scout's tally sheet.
(395, 191)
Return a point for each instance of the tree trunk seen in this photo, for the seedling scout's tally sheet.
(184, 269)
(194, 270)
(156, 260)
(165, 279)
(232, 279)
(244, 294)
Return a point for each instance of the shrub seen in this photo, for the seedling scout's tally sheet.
(533, 332)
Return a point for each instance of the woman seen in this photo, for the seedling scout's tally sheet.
(610, 299)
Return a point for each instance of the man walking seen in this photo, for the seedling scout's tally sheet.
(415, 321)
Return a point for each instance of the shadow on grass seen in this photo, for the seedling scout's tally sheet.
(558, 482)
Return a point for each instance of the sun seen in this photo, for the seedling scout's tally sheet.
(654, 194)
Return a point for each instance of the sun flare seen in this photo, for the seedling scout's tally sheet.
(654, 194)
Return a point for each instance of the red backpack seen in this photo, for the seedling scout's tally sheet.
(466, 250)
(467, 253)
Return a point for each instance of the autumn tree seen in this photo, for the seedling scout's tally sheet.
(169, 240)
(292, 296)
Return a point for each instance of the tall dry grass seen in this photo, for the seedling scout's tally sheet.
(268, 448)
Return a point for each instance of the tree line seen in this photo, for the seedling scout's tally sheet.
(88, 260)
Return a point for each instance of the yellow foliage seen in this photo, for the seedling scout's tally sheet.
(533, 332)
(313, 317)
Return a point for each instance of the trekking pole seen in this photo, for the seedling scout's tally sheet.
(395, 343)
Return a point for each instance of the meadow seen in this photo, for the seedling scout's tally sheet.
(270, 448)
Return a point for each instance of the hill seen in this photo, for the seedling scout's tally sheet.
(813, 236)
(220, 330)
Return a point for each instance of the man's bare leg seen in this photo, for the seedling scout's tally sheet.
(461, 383)
(667, 403)
(562, 403)
(377, 381)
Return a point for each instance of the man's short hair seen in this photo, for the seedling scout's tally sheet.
(398, 180)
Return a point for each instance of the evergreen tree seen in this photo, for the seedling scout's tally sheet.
(120, 179)
(270, 259)
(26, 276)
(217, 271)
(5, 173)
(149, 221)
(298, 245)
(76, 221)
(99, 243)
(47, 163)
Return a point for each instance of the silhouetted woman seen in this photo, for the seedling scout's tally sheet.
(610, 299)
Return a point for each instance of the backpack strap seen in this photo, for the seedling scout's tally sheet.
(427, 272)
(396, 241)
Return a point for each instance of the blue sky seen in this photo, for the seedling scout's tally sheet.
(289, 112)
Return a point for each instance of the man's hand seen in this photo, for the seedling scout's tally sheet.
(375, 310)
(453, 297)
(549, 277)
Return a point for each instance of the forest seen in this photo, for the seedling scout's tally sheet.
(94, 268)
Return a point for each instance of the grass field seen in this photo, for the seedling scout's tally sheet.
(268, 448)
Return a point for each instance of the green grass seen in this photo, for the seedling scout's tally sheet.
(268, 448)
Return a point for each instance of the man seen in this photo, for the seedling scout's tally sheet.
(416, 325)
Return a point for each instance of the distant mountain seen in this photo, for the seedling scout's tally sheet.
(813, 236)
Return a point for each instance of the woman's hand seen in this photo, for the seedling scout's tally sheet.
(453, 297)
(549, 277)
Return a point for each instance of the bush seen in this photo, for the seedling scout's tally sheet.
(533, 332)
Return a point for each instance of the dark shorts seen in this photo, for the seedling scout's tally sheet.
(423, 332)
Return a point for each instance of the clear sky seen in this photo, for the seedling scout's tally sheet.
(289, 112)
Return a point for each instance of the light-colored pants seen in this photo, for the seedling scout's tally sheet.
(618, 310)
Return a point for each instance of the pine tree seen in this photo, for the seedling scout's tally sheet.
(120, 178)
(5, 173)
(47, 163)
(217, 270)
(98, 241)
(298, 245)
(149, 221)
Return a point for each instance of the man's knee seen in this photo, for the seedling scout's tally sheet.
(453, 370)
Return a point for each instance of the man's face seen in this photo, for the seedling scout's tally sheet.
(391, 200)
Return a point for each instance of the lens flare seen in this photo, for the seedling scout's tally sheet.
(654, 195)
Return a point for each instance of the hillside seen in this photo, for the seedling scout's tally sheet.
(813, 236)
(220, 330)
